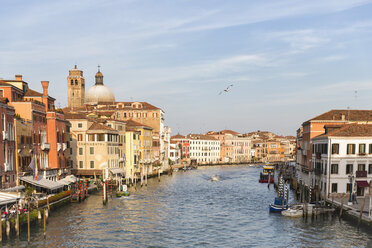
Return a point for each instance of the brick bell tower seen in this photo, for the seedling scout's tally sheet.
(75, 88)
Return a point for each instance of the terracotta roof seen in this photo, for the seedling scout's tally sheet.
(71, 116)
(345, 115)
(145, 105)
(350, 130)
(98, 126)
(30, 92)
(178, 136)
(136, 124)
(3, 83)
(200, 137)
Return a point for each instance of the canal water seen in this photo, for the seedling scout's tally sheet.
(187, 209)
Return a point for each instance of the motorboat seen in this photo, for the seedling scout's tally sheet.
(294, 212)
(215, 178)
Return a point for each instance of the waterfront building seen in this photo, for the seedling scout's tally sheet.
(315, 127)
(235, 147)
(342, 159)
(95, 146)
(184, 148)
(132, 154)
(8, 171)
(23, 133)
(145, 158)
(204, 149)
(100, 101)
(175, 152)
(50, 130)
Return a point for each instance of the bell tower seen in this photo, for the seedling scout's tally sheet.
(75, 88)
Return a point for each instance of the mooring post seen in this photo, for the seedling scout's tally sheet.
(45, 216)
(361, 210)
(28, 224)
(1, 230)
(17, 222)
(342, 205)
(7, 228)
(147, 168)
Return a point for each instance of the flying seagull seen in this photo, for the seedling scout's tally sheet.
(227, 89)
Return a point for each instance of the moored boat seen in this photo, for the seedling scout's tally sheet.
(295, 211)
(267, 174)
(278, 205)
(122, 193)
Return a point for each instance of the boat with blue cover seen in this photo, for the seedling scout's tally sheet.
(278, 205)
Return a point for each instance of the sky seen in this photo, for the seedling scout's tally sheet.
(288, 60)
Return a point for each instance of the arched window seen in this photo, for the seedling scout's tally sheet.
(72, 82)
(76, 82)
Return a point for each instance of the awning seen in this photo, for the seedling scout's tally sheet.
(87, 172)
(6, 198)
(68, 180)
(117, 171)
(362, 184)
(42, 183)
(13, 189)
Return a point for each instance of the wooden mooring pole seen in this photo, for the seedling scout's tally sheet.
(1, 230)
(28, 225)
(361, 210)
(17, 222)
(45, 215)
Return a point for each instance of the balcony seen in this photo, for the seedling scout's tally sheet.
(361, 174)
(45, 146)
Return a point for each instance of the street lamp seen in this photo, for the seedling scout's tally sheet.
(351, 177)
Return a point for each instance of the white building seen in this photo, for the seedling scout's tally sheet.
(204, 148)
(343, 151)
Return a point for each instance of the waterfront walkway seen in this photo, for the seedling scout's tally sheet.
(354, 210)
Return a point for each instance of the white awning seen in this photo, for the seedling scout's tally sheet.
(6, 198)
(13, 189)
(68, 180)
(117, 171)
(42, 183)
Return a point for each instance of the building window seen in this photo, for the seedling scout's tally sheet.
(370, 169)
(72, 82)
(348, 187)
(80, 125)
(361, 167)
(80, 151)
(362, 148)
(349, 169)
(335, 148)
(334, 168)
(81, 164)
(91, 164)
(350, 149)
(80, 137)
(370, 149)
(334, 187)
(91, 150)
(76, 82)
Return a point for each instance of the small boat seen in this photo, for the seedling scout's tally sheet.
(215, 178)
(267, 172)
(295, 211)
(278, 205)
(122, 193)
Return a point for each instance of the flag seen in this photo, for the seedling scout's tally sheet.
(32, 166)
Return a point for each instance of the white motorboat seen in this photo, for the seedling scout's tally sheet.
(215, 178)
(295, 211)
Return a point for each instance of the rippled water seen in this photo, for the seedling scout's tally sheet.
(188, 210)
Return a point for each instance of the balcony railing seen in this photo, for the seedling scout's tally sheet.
(361, 174)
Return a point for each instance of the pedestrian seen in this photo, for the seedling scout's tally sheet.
(354, 199)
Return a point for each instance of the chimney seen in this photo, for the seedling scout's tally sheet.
(18, 77)
(45, 85)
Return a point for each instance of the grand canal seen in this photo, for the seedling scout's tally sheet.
(188, 210)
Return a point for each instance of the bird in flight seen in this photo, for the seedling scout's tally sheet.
(227, 89)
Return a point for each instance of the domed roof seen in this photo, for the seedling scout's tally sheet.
(99, 93)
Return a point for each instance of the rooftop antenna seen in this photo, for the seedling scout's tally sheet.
(99, 67)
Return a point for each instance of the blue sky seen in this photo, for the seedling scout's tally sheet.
(288, 60)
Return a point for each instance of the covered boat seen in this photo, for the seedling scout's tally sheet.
(278, 205)
(267, 174)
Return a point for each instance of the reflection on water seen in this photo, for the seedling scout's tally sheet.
(188, 210)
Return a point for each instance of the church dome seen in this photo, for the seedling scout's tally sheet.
(99, 93)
